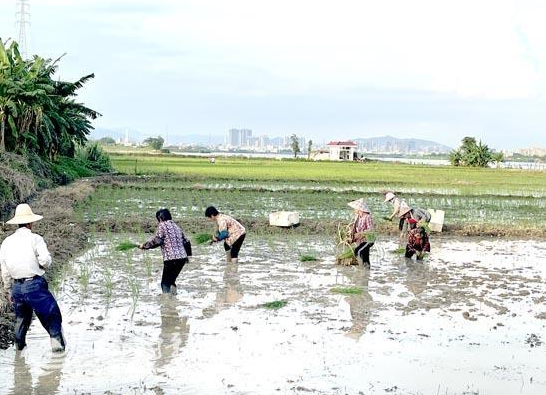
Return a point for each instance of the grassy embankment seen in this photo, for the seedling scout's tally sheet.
(476, 201)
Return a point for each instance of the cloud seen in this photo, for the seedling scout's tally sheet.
(425, 67)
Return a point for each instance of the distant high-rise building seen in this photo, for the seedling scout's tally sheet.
(246, 137)
(240, 137)
(264, 141)
(234, 138)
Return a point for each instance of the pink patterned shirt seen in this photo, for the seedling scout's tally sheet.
(361, 223)
(170, 237)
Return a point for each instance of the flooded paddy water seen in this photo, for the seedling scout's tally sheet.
(469, 320)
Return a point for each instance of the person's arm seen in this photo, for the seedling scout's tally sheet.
(42, 253)
(6, 278)
(155, 241)
(222, 230)
(426, 244)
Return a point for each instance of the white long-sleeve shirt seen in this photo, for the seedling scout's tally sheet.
(23, 254)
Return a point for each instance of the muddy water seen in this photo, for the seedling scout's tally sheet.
(469, 320)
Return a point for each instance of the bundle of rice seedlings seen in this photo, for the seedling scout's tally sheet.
(370, 236)
(307, 258)
(345, 255)
(346, 258)
(126, 245)
(202, 238)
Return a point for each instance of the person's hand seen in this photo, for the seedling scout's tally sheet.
(214, 238)
(141, 246)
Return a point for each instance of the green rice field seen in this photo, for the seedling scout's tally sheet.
(252, 188)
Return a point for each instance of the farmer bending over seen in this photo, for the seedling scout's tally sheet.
(171, 239)
(418, 243)
(414, 216)
(361, 231)
(24, 257)
(397, 203)
(229, 230)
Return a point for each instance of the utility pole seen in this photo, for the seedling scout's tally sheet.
(22, 14)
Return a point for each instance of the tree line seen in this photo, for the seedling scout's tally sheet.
(38, 113)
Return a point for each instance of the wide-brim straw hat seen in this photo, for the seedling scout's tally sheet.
(389, 196)
(24, 215)
(404, 208)
(359, 204)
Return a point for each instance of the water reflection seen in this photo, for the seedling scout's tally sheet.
(48, 381)
(417, 277)
(229, 294)
(360, 305)
(173, 335)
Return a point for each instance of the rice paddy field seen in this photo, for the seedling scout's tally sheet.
(252, 188)
(468, 320)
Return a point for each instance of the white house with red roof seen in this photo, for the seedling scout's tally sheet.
(342, 150)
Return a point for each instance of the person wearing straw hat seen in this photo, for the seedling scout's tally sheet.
(418, 243)
(362, 231)
(23, 259)
(396, 203)
(413, 216)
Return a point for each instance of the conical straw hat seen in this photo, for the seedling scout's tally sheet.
(389, 196)
(359, 204)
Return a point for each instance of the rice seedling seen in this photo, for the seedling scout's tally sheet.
(84, 275)
(347, 291)
(400, 250)
(307, 258)
(126, 245)
(108, 284)
(276, 304)
(135, 292)
(148, 267)
(202, 238)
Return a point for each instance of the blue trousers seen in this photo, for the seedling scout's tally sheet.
(33, 295)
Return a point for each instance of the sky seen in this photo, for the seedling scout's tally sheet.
(327, 70)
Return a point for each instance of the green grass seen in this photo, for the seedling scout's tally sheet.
(308, 258)
(347, 291)
(277, 304)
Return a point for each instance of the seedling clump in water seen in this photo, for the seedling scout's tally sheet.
(399, 251)
(307, 258)
(277, 304)
(348, 291)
